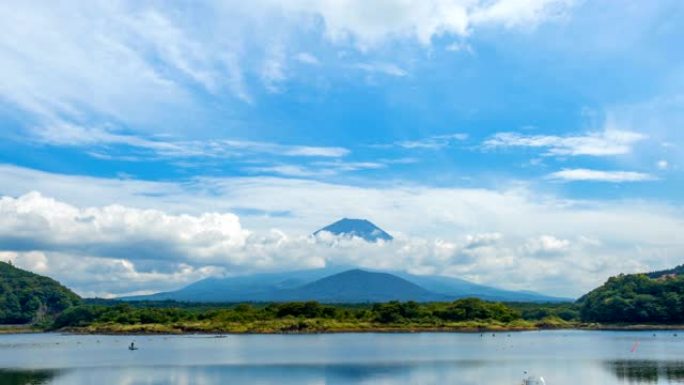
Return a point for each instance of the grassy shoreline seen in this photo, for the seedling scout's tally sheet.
(20, 329)
(292, 329)
(316, 327)
(267, 328)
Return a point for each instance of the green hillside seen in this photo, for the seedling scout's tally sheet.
(637, 298)
(26, 297)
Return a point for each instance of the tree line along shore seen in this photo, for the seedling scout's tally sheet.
(29, 302)
(468, 314)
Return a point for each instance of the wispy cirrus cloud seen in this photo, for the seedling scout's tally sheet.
(317, 169)
(603, 143)
(434, 142)
(254, 157)
(307, 58)
(382, 68)
(73, 135)
(587, 175)
(273, 69)
(132, 61)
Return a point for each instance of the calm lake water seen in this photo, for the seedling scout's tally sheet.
(562, 357)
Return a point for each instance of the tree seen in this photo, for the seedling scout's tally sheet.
(635, 298)
(26, 297)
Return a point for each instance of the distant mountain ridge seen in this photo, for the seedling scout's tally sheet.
(356, 285)
(340, 285)
(249, 288)
(360, 228)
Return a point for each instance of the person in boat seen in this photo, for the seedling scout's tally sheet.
(132, 346)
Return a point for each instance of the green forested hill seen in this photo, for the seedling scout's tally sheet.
(26, 297)
(637, 298)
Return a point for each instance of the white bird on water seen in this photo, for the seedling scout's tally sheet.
(533, 380)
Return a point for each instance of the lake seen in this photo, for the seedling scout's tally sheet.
(562, 357)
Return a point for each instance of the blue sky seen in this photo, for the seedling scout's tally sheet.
(284, 117)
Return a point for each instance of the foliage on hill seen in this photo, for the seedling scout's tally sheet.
(679, 270)
(472, 314)
(636, 298)
(28, 298)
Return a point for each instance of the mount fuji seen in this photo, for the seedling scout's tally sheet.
(342, 284)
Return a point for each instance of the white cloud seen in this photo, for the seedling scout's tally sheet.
(520, 13)
(307, 58)
(480, 240)
(371, 23)
(338, 165)
(382, 68)
(460, 47)
(496, 237)
(273, 71)
(605, 143)
(33, 226)
(435, 142)
(33, 220)
(582, 174)
(663, 164)
(546, 245)
(106, 277)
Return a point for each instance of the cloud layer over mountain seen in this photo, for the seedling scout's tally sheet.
(511, 238)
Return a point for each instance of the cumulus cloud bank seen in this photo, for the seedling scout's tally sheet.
(116, 249)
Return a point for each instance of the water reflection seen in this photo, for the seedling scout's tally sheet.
(26, 377)
(462, 373)
(647, 372)
(601, 358)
